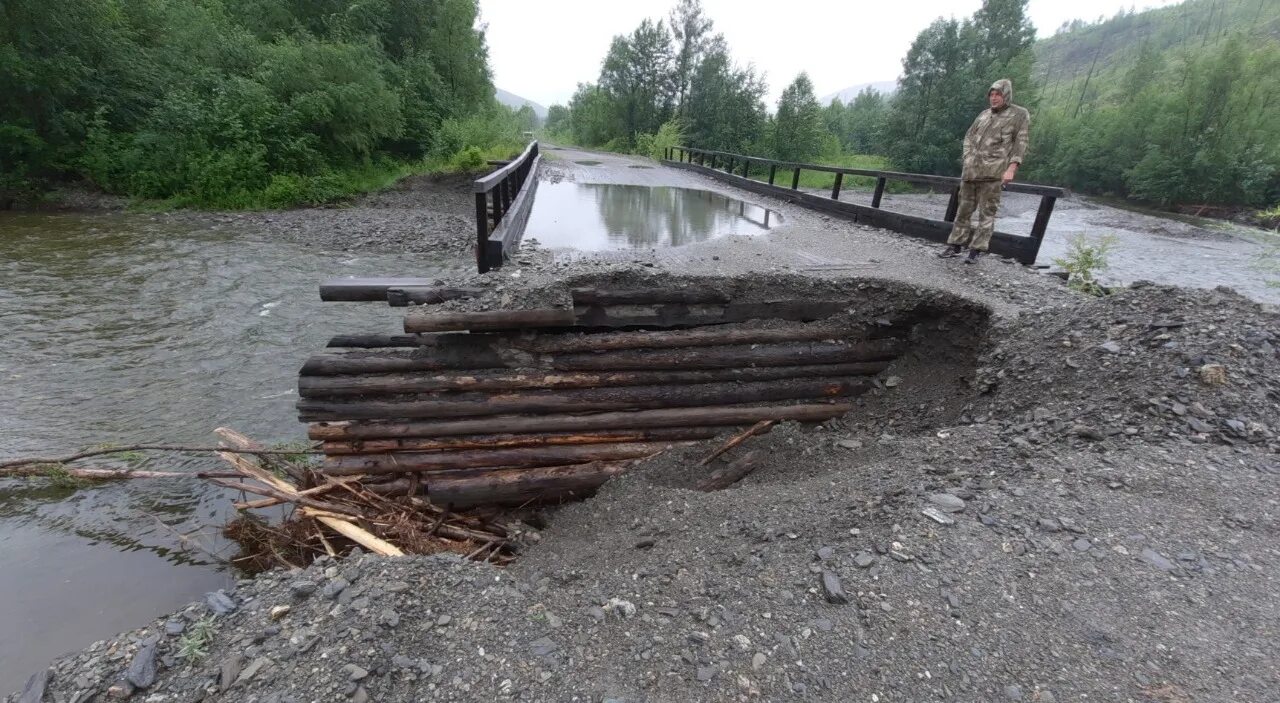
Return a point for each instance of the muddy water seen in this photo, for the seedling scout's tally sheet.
(128, 329)
(601, 217)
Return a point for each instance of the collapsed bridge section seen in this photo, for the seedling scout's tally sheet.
(481, 404)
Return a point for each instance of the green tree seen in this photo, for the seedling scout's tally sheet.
(636, 76)
(798, 129)
(691, 34)
(726, 110)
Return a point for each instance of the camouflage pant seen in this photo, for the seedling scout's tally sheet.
(985, 197)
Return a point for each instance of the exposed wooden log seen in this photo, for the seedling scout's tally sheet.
(649, 296)
(737, 356)
(379, 341)
(384, 384)
(520, 486)
(423, 321)
(730, 473)
(410, 360)
(717, 335)
(474, 459)
(667, 417)
(674, 315)
(509, 441)
(584, 400)
(488, 353)
(758, 428)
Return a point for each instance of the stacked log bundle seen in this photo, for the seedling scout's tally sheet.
(545, 404)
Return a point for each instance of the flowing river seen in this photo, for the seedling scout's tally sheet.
(128, 329)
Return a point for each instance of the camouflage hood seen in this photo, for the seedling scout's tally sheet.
(1005, 86)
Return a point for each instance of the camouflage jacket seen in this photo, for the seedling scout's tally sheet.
(996, 140)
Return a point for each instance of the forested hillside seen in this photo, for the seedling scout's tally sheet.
(1176, 105)
(240, 102)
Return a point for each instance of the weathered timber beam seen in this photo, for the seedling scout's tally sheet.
(474, 459)
(666, 417)
(677, 315)
(520, 486)
(731, 333)
(511, 441)
(737, 356)
(380, 341)
(528, 379)
(586, 400)
(631, 315)
(422, 321)
(495, 354)
(649, 296)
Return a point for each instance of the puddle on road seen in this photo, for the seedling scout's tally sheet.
(600, 217)
(588, 162)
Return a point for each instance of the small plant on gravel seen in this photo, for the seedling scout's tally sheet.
(194, 645)
(1085, 258)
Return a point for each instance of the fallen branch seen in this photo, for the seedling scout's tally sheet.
(730, 473)
(55, 470)
(758, 428)
(143, 447)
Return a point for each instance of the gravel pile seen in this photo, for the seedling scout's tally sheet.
(1082, 508)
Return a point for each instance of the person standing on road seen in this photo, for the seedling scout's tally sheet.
(993, 150)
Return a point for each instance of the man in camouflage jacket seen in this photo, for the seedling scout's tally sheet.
(993, 150)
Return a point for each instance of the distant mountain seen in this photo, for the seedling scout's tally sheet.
(852, 91)
(515, 101)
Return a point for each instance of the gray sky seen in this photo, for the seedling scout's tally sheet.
(541, 49)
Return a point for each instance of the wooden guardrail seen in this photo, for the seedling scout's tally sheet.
(503, 201)
(727, 166)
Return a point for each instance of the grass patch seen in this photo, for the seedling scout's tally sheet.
(194, 644)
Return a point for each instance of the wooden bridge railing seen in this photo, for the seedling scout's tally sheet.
(737, 168)
(503, 201)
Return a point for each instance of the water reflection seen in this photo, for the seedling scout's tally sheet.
(598, 217)
(133, 329)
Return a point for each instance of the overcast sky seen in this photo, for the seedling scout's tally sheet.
(541, 49)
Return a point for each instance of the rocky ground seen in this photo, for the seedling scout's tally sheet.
(419, 215)
(1083, 510)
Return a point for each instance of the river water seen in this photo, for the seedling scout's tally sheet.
(132, 329)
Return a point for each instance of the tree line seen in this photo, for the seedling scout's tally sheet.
(242, 102)
(1187, 115)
